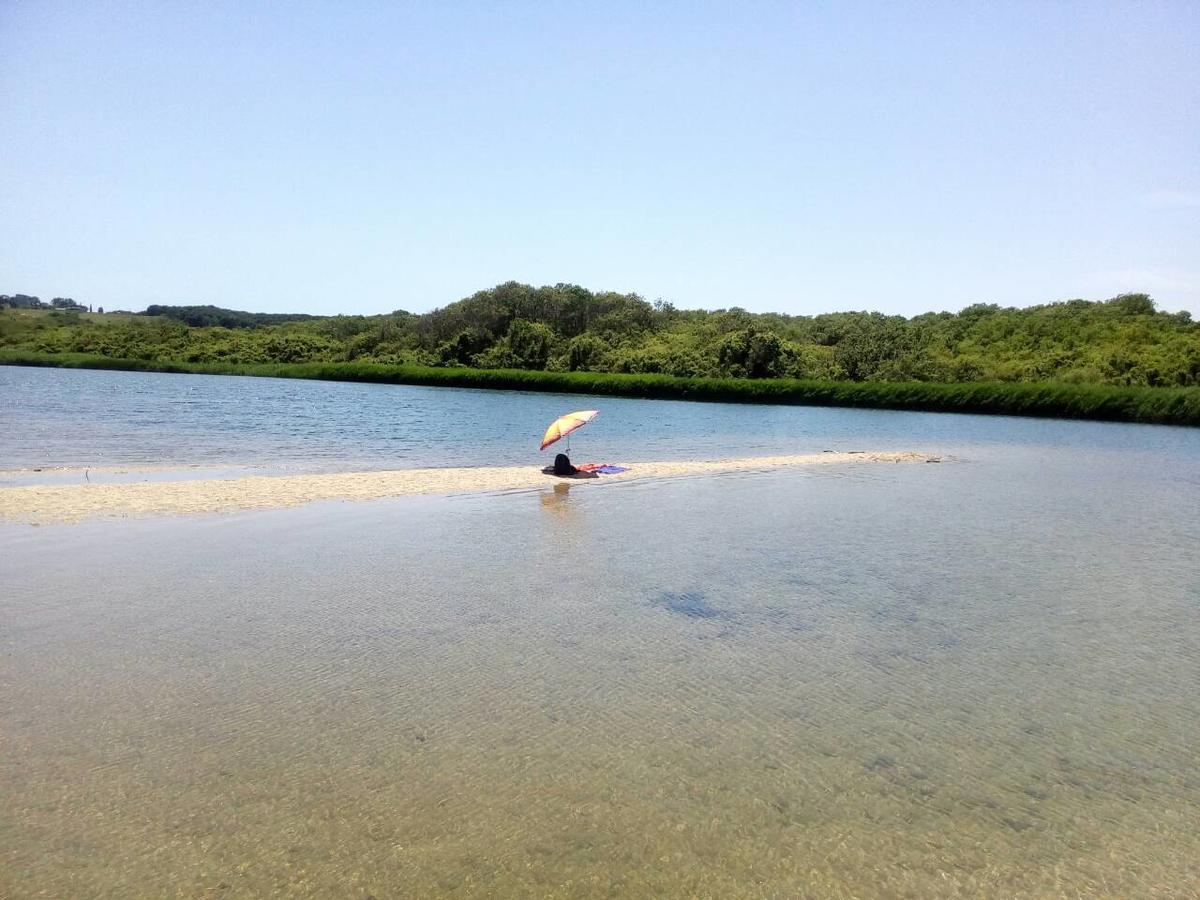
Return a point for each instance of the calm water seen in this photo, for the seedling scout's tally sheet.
(74, 418)
(974, 678)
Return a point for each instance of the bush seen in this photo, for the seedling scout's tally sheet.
(585, 352)
(751, 353)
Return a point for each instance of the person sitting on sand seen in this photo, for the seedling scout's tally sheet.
(562, 465)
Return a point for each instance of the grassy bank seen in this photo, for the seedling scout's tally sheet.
(1170, 406)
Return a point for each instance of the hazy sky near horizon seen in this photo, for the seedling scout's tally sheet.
(799, 157)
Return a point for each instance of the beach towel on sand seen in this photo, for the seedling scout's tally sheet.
(589, 470)
(602, 468)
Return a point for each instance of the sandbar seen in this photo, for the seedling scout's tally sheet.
(50, 503)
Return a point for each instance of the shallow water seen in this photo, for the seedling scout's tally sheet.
(52, 418)
(973, 678)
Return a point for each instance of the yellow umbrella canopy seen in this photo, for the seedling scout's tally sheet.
(564, 425)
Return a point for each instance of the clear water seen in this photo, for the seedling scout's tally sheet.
(74, 418)
(980, 678)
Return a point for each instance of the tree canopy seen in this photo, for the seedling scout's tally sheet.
(564, 327)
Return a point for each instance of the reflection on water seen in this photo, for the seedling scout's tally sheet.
(556, 501)
(976, 678)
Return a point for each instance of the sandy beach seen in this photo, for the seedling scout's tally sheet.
(44, 504)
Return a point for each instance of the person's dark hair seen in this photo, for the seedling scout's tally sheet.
(562, 465)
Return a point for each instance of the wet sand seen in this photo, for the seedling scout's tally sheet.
(49, 503)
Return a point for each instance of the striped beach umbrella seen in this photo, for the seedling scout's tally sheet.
(564, 425)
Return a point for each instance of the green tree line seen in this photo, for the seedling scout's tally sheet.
(565, 328)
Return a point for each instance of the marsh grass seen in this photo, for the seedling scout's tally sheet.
(1167, 406)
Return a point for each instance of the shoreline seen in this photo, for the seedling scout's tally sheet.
(1175, 406)
(43, 504)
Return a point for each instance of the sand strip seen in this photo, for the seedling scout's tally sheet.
(40, 504)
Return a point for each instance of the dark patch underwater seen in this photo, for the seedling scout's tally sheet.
(692, 604)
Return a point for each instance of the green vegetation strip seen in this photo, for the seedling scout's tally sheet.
(1168, 406)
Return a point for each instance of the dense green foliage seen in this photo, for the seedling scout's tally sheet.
(207, 316)
(1120, 359)
(1124, 341)
(1172, 406)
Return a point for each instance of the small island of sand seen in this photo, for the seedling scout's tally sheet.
(44, 504)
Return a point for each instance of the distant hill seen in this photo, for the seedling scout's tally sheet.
(209, 316)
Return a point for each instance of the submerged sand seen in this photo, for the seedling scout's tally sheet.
(43, 504)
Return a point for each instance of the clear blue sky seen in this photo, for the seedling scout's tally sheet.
(800, 157)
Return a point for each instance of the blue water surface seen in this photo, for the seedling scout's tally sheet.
(77, 418)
